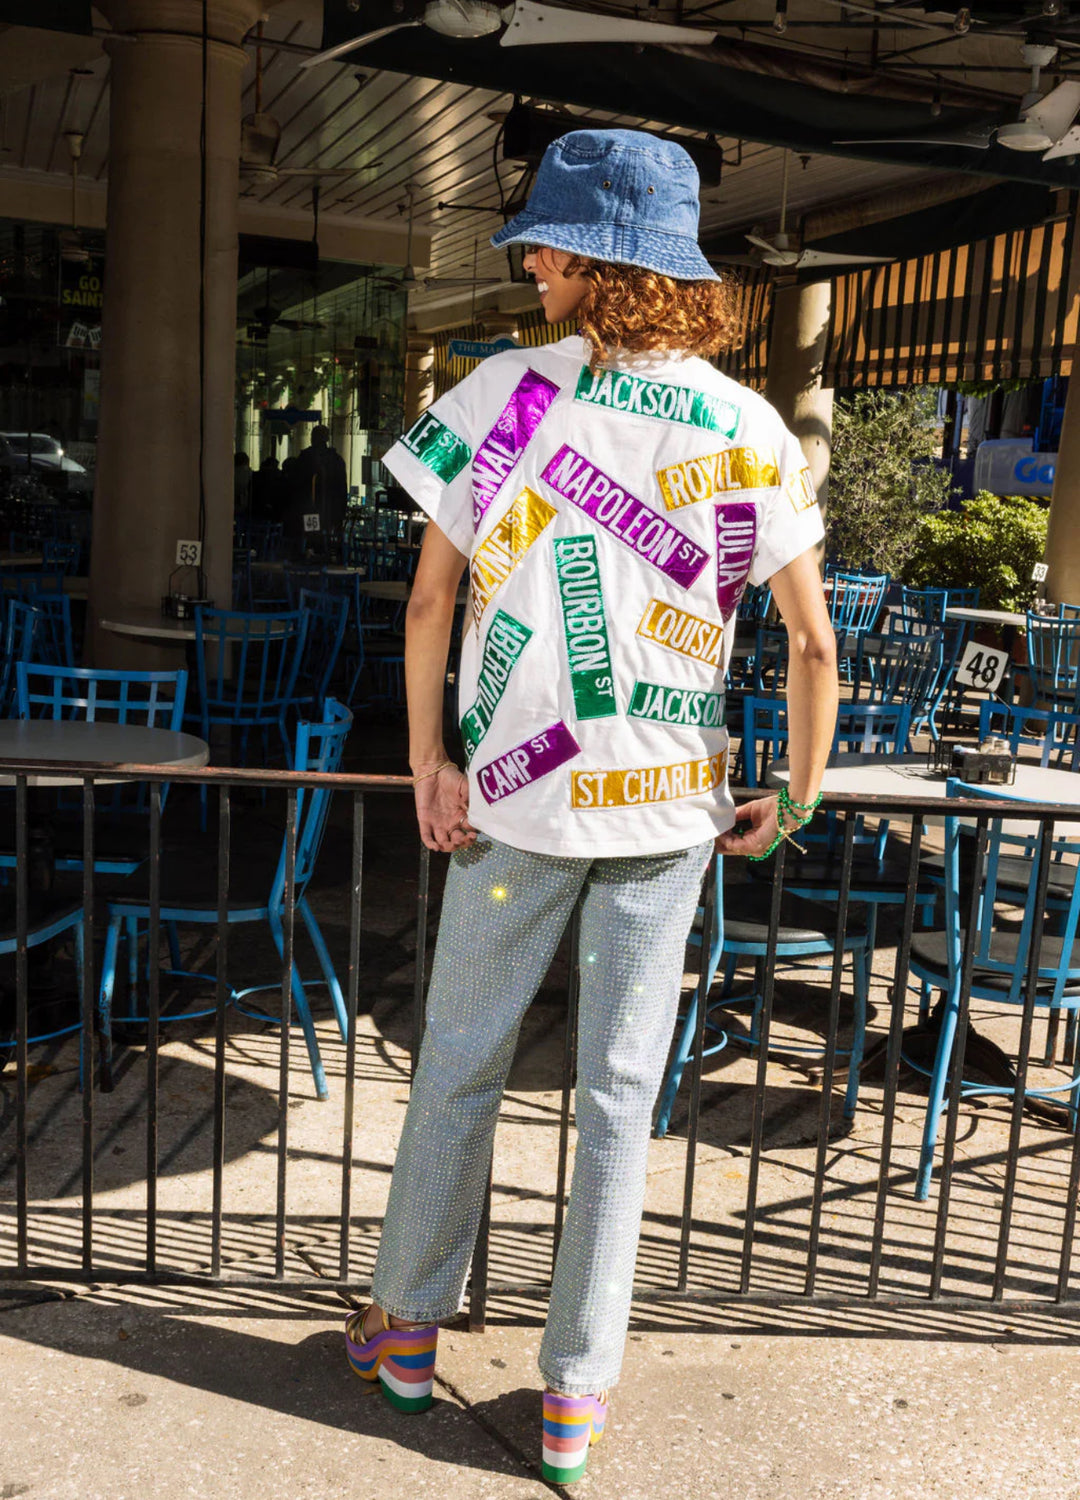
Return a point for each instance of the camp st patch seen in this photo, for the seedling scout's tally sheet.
(628, 519)
(439, 449)
(655, 398)
(717, 474)
(504, 445)
(506, 640)
(527, 762)
(585, 627)
(506, 544)
(640, 785)
(677, 705)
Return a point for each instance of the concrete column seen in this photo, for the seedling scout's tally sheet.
(419, 358)
(1063, 535)
(793, 385)
(148, 463)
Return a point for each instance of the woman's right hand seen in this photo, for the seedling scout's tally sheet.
(442, 811)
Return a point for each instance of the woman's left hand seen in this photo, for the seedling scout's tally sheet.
(761, 816)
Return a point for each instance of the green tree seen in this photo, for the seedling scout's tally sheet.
(992, 543)
(882, 480)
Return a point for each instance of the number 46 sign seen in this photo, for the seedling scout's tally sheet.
(981, 667)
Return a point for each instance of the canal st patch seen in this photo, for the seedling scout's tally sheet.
(527, 763)
(678, 630)
(736, 532)
(642, 785)
(677, 705)
(509, 540)
(654, 398)
(800, 490)
(441, 450)
(508, 439)
(717, 474)
(625, 517)
(587, 647)
(506, 640)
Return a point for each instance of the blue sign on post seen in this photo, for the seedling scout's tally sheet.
(472, 349)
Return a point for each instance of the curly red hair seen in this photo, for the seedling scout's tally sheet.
(628, 309)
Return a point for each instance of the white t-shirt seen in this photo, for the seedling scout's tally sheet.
(611, 523)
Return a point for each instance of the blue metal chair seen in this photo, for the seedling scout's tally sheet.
(242, 587)
(299, 576)
(326, 619)
(741, 931)
(1053, 651)
(999, 958)
(247, 664)
(855, 599)
(319, 747)
(62, 553)
(753, 608)
(19, 630)
(901, 664)
(50, 921)
(99, 694)
(346, 586)
(924, 604)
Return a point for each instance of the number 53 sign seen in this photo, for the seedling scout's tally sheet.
(981, 667)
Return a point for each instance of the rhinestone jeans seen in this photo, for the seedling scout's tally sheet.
(504, 912)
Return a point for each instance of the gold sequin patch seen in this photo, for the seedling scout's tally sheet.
(799, 489)
(717, 474)
(639, 786)
(509, 540)
(678, 630)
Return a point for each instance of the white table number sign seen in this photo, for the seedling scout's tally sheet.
(981, 667)
(1039, 572)
(311, 521)
(188, 554)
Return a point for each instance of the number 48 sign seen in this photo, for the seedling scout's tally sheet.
(981, 667)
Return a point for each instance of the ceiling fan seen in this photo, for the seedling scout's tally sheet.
(1043, 125)
(524, 23)
(785, 250)
(260, 136)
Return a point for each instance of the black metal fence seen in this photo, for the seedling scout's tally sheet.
(853, 1233)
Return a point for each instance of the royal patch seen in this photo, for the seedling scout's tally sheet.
(654, 398)
(717, 474)
(527, 763)
(678, 630)
(736, 533)
(504, 445)
(439, 449)
(623, 516)
(506, 640)
(641, 785)
(509, 540)
(585, 627)
(677, 705)
(799, 489)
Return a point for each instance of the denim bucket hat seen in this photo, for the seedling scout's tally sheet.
(616, 195)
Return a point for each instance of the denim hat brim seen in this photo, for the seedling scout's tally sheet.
(671, 255)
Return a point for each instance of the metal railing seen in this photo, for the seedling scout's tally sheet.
(760, 1249)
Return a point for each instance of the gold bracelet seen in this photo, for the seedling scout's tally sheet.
(440, 767)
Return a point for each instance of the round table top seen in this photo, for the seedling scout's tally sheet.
(98, 744)
(985, 616)
(151, 625)
(910, 776)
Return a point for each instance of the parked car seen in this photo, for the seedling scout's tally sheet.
(46, 458)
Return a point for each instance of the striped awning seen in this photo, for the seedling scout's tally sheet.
(1003, 308)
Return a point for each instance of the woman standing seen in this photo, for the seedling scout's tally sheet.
(612, 494)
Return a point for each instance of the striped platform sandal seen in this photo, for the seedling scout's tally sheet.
(571, 1425)
(402, 1360)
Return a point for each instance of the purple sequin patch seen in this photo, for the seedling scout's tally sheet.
(508, 439)
(736, 533)
(620, 513)
(527, 762)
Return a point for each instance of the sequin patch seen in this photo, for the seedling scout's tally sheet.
(641, 785)
(527, 762)
(678, 630)
(800, 490)
(717, 474)
(437, 447)
(509, 540)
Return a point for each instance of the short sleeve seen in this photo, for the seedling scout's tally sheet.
(433, 460)
(790, 522)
